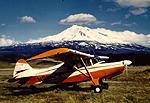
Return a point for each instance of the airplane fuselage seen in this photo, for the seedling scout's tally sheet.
(98, 70)
(68, 75)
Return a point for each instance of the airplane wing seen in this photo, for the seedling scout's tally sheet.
(62, 54)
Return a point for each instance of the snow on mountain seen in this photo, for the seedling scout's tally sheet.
(126, 36)
(7, 42)
(100, 35)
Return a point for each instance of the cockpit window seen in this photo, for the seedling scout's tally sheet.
(80, 64)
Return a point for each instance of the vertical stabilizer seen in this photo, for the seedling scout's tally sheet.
(21, 66)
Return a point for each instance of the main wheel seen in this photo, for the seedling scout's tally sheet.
(98, 89)
(105, 85)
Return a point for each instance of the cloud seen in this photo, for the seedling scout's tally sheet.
(125, 24)
(79, 19)
(138, 11)
(112, 9)
(134, 3)
(27, 19)
(126, 36)
(146, 16)
(6, 42)
(116, 23)
(3, 24)
(130, 24)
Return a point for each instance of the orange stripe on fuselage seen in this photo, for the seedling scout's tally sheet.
(35, 79)
(96, 74)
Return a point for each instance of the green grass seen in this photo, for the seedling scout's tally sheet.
(131, 88)
(6, 65)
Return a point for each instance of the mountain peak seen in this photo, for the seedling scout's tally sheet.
(78, 27)
(75, 26)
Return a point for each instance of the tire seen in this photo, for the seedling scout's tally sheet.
(98, 89)
(105, 85)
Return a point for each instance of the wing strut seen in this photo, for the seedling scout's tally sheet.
(80, 71)
(94, 81)
(89, 74)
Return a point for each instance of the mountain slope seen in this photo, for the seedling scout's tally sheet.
(137, 53)
(100, 35)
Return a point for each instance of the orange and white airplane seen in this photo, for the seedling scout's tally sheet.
(73, 67)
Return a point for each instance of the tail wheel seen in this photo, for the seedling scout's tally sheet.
(32, 87)
(98, 89)
(76, 86)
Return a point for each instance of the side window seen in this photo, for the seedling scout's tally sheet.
(79, 65)
(94, 60)
(87, 62)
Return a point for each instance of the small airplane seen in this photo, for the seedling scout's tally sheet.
(73, 67)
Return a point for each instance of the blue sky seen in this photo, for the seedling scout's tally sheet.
(31, 19)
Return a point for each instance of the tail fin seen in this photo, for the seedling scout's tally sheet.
(21, 66)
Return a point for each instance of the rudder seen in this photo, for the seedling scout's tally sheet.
(21, 66)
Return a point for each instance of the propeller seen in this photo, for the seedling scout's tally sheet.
(126, 63)
(126, 69)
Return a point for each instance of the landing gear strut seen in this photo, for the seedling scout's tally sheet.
(97, 83)
(100, 87)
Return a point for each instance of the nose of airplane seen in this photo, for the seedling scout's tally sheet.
(127, 62)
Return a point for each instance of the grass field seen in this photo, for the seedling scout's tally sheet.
(133, 87)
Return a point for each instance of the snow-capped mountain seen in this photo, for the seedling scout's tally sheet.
(80, 33)
(99, 41)
(100, 35)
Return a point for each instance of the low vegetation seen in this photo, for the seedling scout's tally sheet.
(130, 87)
(6, 65)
